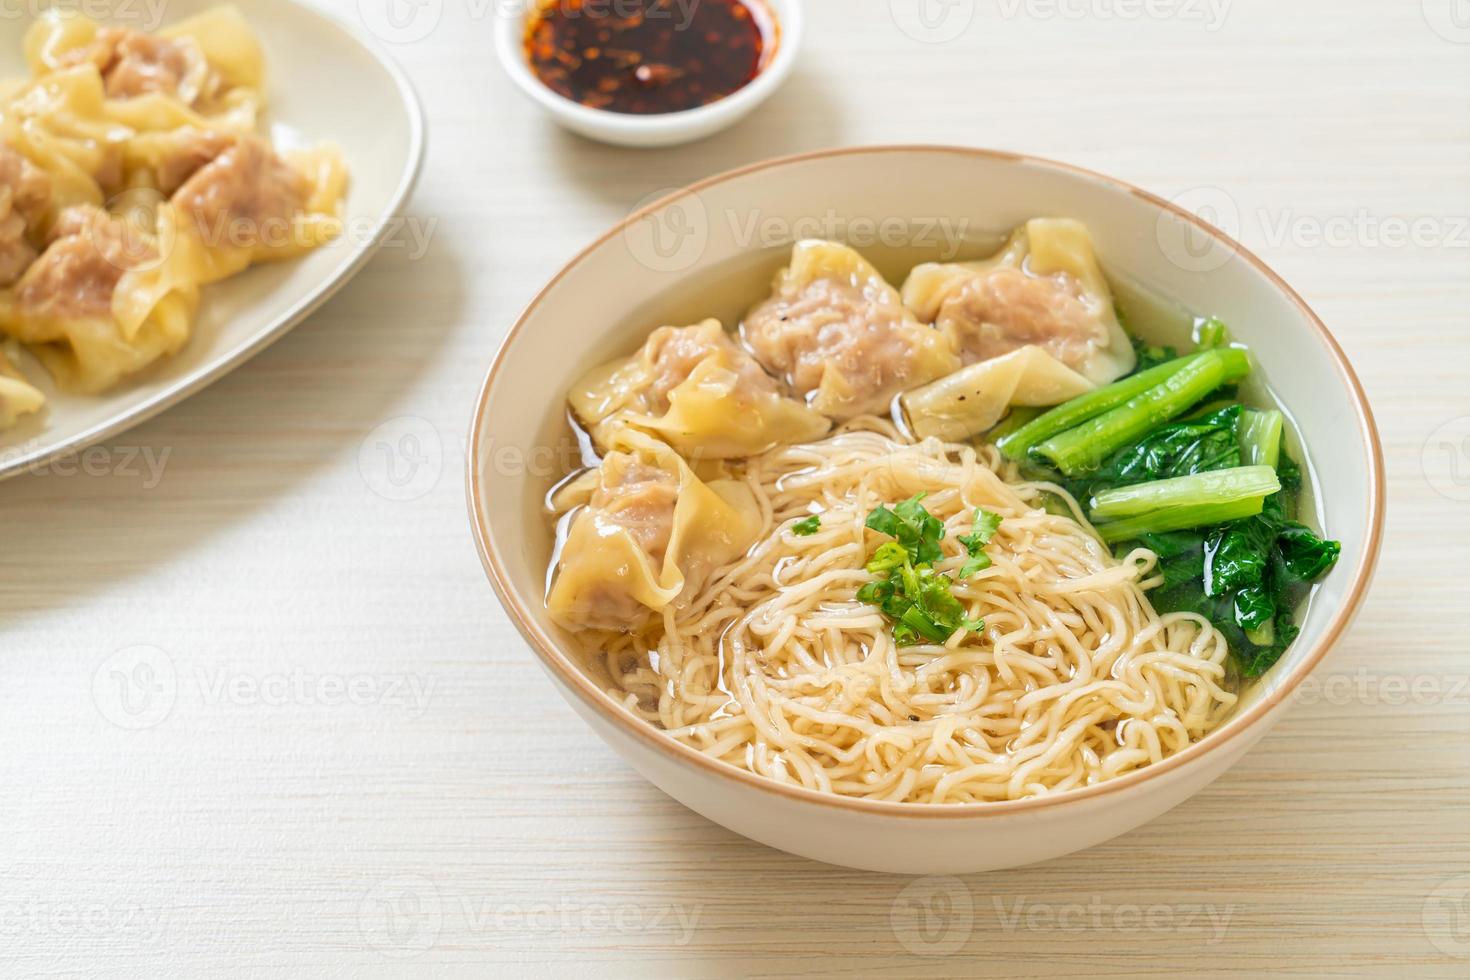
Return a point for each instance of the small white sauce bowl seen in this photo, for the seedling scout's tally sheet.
(663, 129)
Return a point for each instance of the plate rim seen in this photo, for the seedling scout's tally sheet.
(48, 451)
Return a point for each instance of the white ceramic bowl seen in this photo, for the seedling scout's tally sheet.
(667, 129)
(711, 249)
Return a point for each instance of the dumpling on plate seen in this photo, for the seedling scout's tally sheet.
(696, 390)
(836, 333)
(25, 209)
(648, 531)
(244, 205)
(65, 304)
(205, 70)
(58, 124)
(1044, 288)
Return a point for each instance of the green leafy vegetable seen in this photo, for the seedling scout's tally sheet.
(918, 599)
(1260, 437)
(890, 555)
(986, 524)
(1083, 449)
(1246, 576)
(1171, 461)
(1151, 356)
(807, 525)
(1211, 333)
(1208, 442)
(913, 527)
(1178, 519)
(1018, 416)
(1019, 443)
(1196, 490)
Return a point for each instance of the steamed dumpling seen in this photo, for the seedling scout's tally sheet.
(206, 70)
(1044, 288)
(839, 335)
(696, 390)
(65, 304)
(648, 532)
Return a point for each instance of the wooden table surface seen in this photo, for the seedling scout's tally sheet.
(345, 761)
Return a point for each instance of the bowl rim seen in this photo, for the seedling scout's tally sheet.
(564, 669)
(787, 15)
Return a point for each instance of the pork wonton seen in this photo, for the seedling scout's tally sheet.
(1044, 288)
(836, 333)
(649, 531)
(699, 392)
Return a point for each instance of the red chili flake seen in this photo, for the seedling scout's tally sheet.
(648, 56)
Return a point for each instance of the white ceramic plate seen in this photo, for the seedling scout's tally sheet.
(326, 82)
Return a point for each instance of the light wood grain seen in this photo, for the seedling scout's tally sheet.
(264, 831)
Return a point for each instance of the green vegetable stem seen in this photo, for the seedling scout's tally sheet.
(1083, 448)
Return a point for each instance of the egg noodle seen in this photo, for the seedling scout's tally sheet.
(773, 665)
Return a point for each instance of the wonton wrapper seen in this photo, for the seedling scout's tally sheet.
(649, 531)
(975, 398)
(223, 227)
(221, 85)
(67, 305)
(17, 395)
(114, 113)
(721, 404)
(838, 334)
(1043, 288)
(59, 124)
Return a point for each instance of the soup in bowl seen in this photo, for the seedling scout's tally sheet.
(924, 509)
